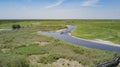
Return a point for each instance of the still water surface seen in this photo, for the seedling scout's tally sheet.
(64, 35)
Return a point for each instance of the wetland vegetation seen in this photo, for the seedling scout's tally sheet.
(26, 48)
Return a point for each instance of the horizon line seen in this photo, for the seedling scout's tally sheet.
(59, 19)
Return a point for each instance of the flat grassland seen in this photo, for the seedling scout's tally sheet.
(104, 30)
(26, 48)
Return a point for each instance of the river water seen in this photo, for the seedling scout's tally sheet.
(64, 35)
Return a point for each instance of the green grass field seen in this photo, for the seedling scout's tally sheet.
(26, 48)
(108, 31)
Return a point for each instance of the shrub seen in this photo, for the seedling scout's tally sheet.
(16, 27)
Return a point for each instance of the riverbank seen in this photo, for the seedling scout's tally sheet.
(24, 45)
(98, 31)
(98, 41)
(26, 48)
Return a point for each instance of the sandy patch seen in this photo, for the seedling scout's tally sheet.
(42, 43)
(5, 50)
(1, 29)
(60, 30)
(5, 29)
(106, 42)
(33, 59)
(59, 63)
(99, 41)
(66, 63)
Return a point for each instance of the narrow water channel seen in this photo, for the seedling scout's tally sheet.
(64, 35)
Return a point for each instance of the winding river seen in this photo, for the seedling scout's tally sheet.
(64, 35)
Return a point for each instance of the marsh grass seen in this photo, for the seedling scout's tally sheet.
(19, 45)
(99, 30)
(8, 60)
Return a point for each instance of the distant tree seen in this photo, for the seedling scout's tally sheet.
(14, 27)
(18, 26)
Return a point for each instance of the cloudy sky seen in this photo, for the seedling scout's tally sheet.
(59, 9)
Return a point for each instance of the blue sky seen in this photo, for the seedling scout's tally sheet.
(59, 9)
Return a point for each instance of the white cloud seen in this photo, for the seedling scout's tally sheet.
(90, 3)
(58, 3)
